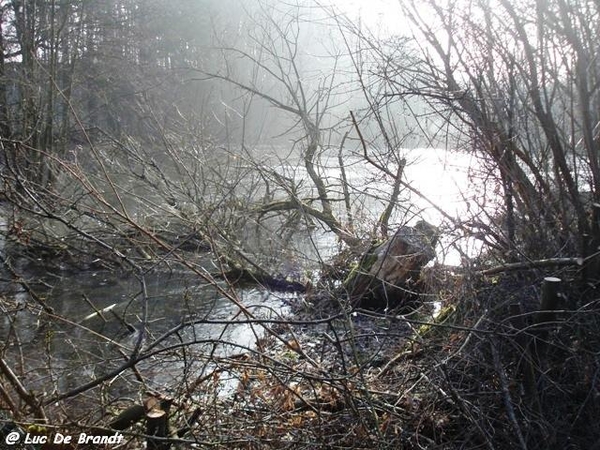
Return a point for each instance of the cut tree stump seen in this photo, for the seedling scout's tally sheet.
(388, 274)
(549, 300)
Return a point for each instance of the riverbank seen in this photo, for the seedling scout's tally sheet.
(468, 364)
(357, 379)
(471, 367)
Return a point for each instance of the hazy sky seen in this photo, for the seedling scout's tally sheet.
(381, 15)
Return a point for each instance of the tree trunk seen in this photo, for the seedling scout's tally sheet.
(388, 275)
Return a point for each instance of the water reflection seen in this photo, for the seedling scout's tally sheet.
(99, 318)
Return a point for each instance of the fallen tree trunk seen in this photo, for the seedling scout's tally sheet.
(237, 273)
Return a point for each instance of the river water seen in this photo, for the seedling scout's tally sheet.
(105, 311)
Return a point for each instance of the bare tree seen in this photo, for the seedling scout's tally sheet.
(520, 88)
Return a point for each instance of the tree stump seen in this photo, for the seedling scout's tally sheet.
(549, 300)
(534, 343)
(388, 274)
(157, 423)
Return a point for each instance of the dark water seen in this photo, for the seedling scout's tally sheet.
(98, 321)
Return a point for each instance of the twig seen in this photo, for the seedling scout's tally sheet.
(11, 405)
(540, 263)
(24, 395)
(25, 285)
(508, 404)
(460, 402)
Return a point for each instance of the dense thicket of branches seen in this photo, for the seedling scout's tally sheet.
(219, 138)
(184, 99)
(519, 83)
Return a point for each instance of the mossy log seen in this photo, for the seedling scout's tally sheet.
(388, 274)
